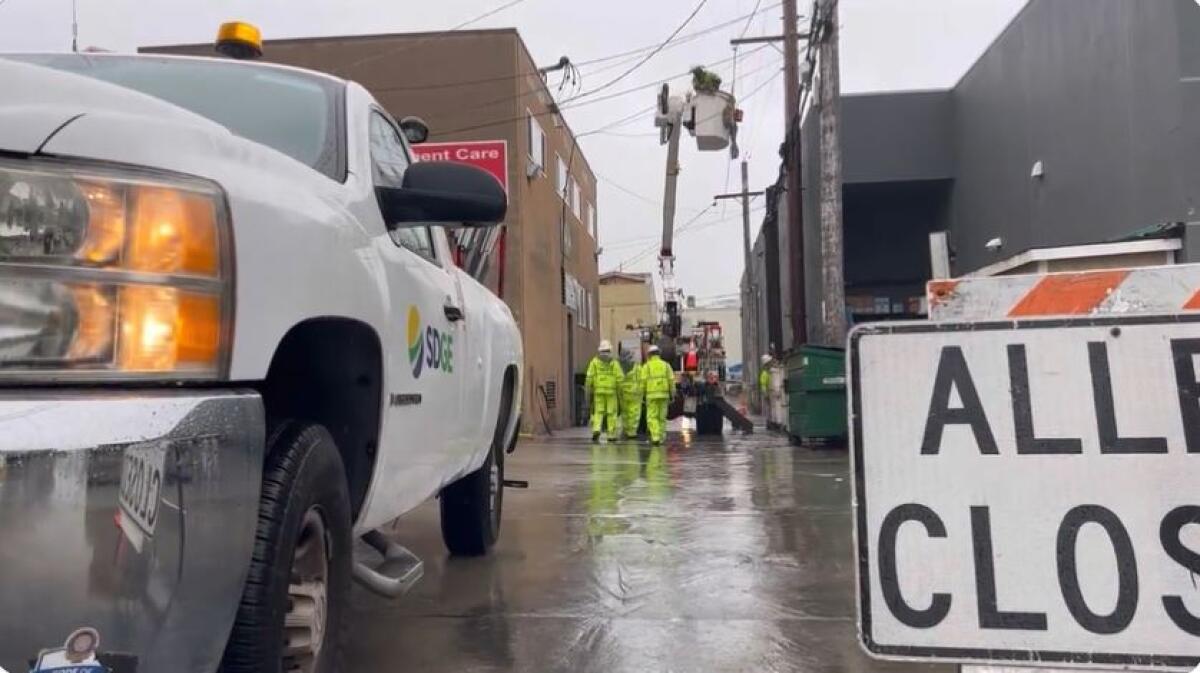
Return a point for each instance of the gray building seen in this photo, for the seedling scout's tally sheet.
(1079, 125)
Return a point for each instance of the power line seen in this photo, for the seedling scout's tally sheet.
(638, 257)
(617, 94)
(636, 195)
(649, 56)
(681, 40)
(486, 14)
(614, 134)
(409, 45)
(751, 17)
(684, 39)
(621, 122)
(566, 105)
(690, 227)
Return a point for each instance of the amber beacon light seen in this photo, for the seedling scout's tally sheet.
(240, 40)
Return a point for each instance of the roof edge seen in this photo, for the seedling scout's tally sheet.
(996, 40)
(363, 36)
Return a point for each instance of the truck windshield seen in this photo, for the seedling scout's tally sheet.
(289, 111)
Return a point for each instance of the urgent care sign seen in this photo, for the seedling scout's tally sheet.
(490, 155)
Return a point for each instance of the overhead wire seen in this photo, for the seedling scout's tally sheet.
(565, 105)
(682, 39)
(700, 5)
(422, 40)
(641, 255)
(733, 91)
(690, 227)
(624, 56)
(750, 18)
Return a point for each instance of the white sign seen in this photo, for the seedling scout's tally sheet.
(1029, 491)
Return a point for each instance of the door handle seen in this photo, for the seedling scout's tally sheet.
(453, 313)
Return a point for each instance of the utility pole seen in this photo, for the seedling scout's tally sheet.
(792, 157)
(74, 25)
(752, 312)
(833, 306)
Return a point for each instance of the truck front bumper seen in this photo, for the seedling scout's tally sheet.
(130, 512)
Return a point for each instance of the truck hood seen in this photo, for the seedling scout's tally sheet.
(39, 102)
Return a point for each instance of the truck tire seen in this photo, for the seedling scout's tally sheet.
(471, 506)
(291, 617)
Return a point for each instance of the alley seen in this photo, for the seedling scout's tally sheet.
(703, 555)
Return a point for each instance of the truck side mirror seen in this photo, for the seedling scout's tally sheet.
(416, 131)
(446, 193)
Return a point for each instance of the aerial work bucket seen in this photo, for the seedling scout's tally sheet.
(713, 119)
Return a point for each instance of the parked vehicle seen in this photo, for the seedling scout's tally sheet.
(229, 323)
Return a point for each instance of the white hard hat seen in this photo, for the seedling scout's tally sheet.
(766, 359)
(652, 349)
(605, 346)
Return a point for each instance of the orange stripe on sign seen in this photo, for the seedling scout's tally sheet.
(1193, 303)
(1068, 293)
(939, 291)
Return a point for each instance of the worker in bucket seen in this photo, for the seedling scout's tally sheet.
(603, 381)
(660, 390)
(633, 391)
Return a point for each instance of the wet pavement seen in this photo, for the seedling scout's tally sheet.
(702, 555)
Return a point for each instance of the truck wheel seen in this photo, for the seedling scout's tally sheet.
(294, 601)
(471, 508)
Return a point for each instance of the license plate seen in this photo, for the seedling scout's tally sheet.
(141, 490)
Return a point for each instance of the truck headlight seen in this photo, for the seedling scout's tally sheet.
(109, 273)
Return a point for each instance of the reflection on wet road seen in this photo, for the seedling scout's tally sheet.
(702, 555)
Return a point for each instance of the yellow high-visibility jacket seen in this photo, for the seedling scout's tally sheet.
(660, 379)
(603, 377)
(633, 388)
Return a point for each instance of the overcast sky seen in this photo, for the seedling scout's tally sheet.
(886, 45)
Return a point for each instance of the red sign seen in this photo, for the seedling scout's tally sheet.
(490, 155)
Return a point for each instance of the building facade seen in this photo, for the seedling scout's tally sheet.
(483, 85)
(1072, 142)
(627, 302)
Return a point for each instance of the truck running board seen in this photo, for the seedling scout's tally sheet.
(739, 421)
(392, 577)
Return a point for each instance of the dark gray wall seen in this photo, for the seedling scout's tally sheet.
(1093, 90)
(896, 137)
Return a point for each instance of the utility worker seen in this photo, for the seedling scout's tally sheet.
(764, 377)
(602, 383)
(633, 390)
(660, 390)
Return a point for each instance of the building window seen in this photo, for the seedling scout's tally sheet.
(566, 236)
(575, 199)
(561, 178)
(537, 142)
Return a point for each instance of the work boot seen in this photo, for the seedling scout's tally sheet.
(595, 437)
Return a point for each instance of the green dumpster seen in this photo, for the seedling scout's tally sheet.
(816, 386)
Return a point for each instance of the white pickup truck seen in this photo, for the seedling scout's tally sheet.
(232, 341)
